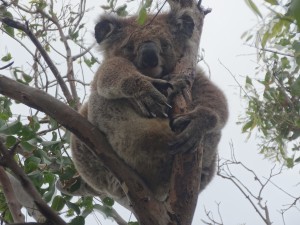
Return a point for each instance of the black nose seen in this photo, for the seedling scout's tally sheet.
(149, 55)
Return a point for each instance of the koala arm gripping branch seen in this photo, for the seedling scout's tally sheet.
(118, 78)
(207, 114)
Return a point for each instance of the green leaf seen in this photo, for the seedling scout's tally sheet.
(248, 81)
(37, 178)
(78, 220)
(5, 112)
(272, 2)
(31, 164)
(142, 16)
(284, 42)
(4, 13)
(277, 28)
(10, 141)
(290, 162)
(49, 178)
(74, 35)
(253, 7)
(11, 128)
(285, 63)
(133, 223)
(49, 143)
(28, 146)
(10, 31)
(249, 125)
(296, 47)
(265, 38)
(49, 193)
(121, 11)
(73, 207)
(58, 203)
(295, 87)
(68, 173)
(297, 160)
(148, 3)
(295, 9)
(6, 58)
(90, 62)
(34, 123)
(108, 202)
(27, 78)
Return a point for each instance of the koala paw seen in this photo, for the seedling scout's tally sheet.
(191, 128)
(153, 101)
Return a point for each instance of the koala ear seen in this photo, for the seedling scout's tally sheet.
(185, 25)
(104, 29)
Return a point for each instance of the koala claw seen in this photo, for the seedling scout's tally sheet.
(153, 114)
(179, 123)
(189, 137)
(169, 106)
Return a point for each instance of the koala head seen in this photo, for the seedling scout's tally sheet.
(153, 48)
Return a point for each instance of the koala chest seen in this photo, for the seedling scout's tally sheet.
(140, 141)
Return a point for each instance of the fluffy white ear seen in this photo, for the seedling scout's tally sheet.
(182, 23)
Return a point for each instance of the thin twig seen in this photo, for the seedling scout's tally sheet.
(24, 27)
(235, 79)
(6, 66)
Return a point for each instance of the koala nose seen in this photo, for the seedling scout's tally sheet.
(149, 55)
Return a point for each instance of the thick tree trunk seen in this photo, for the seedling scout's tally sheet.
(186, 175)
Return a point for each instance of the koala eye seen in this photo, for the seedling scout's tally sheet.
(128, 48)
(165, 45)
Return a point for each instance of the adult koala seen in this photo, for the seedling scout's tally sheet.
(129, 104)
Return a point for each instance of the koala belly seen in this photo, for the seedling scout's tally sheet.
(141, 142)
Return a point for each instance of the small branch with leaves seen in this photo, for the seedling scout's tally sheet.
(7, 160)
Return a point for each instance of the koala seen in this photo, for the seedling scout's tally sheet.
(130, 102)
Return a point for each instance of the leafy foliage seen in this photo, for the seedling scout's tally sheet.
(273, 96)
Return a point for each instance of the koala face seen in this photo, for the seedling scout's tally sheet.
(153, 48)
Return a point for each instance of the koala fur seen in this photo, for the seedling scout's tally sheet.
(129, 104)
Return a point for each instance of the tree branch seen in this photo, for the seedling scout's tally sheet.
(12, 202)
(35, 41)
(186, 174)
(70, 69)
(147, 209)
(8, 161)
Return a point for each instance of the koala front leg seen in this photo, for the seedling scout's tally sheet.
(192, 127)
(118, 78)
(207, 114)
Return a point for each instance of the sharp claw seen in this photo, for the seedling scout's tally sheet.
(169, 106)
(165, 115)
(171, 86)
(153, 114)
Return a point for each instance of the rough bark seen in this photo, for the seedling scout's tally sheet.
(186, 175)
(12, 202)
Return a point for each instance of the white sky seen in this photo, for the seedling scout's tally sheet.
(221, 41)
